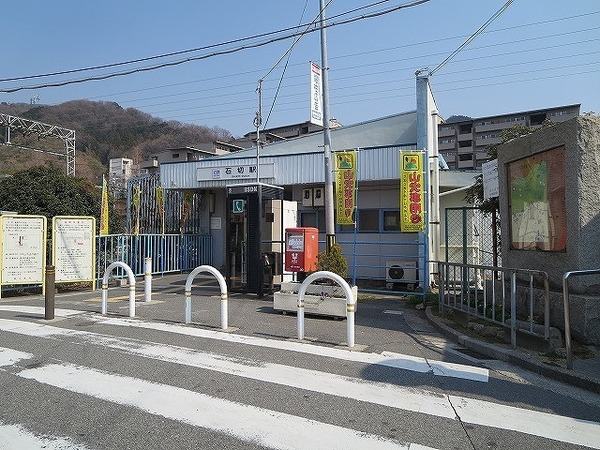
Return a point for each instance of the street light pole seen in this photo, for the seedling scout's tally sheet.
(329, 210)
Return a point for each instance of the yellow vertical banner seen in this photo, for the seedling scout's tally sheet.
(412, 192)
(104, 208)
(137, 192)
(160, 203)
(345, 182)
(186, 206)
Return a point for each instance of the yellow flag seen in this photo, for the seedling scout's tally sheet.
(188, 198)
(412, 192)
(104, 208)
(160, 200)
(136, 209)
(345, 187)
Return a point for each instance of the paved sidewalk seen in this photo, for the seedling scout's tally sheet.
(384, 323)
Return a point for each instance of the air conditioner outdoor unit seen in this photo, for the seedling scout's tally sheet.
(401, 271)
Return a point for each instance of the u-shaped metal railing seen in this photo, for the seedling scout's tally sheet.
(131, 277)
(188, 293)
(350, 303)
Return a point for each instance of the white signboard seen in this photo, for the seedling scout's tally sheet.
(23, 242)
(73, 248)
(234, 172)
(316, 94)
(490, 179)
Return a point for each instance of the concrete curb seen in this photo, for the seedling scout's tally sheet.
(515, 357)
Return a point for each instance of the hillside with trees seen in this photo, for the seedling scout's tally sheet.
(103, 130)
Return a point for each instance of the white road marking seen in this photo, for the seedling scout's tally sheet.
(394, 311)
(16, 437)
(297, 377)
(9, 357)
(275, 430)
(394, 360)
(560, 428)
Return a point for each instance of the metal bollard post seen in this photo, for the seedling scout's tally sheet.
(49, 294)
(148, 279)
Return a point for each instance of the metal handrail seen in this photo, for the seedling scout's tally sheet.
(444, 269)
(566, 277)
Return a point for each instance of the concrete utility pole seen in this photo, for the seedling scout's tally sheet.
(257, 124)
(329, 210)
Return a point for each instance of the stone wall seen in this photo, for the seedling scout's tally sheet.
(580, 138)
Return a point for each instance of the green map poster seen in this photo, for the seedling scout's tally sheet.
(537, 202)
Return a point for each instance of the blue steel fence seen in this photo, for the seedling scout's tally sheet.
(168, 252)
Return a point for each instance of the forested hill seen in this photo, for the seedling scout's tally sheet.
(103, 130)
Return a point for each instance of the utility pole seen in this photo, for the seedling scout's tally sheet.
(329, 210)
(257, 124)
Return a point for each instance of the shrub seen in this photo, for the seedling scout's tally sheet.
(333, 261)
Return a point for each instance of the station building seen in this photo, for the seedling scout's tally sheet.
(289, 178)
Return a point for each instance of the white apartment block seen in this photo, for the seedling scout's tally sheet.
(463, 143)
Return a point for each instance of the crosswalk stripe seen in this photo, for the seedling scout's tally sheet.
(468, 410)
(388, 359)
(20, 438)
(277, 430)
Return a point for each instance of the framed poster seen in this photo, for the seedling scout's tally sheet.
(23, 249)
(536, 186)
(74, 248)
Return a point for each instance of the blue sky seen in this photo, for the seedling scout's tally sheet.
(537, 54)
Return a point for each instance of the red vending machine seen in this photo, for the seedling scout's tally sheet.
(301, 249)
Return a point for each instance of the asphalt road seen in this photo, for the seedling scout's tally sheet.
(88, 381)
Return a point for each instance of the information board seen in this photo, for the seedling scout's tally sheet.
(73, 250)
(23, 249)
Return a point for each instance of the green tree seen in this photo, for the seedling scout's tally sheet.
(491, 206)
(46, 191)
(474, 194)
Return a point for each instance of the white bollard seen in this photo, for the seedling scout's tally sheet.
(222, 285)
(350, 303)
(104, 298)
(147, 279)
(300, 316)
(131, 278)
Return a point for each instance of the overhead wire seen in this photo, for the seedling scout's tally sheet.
(174, 53)
(206, 56)
(472, 37)
(288, 53)
(524, 79)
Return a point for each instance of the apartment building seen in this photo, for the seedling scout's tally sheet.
(463, 141)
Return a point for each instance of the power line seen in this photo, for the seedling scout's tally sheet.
(472, 37)
(174, 53)
(206, 56)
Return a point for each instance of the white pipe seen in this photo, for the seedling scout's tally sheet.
(147, 279)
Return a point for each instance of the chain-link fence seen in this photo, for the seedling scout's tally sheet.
(471, 237)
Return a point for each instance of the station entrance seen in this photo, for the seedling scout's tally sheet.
(257, 216)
